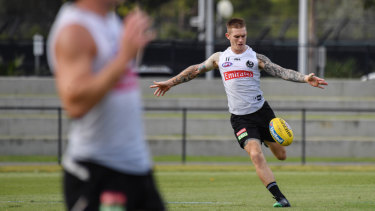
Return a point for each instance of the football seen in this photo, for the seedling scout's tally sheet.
(281, 132)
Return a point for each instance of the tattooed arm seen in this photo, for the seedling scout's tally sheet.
(186, 75)
(288, 74)
(275, 70)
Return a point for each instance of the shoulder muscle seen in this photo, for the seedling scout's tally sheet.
(73, 43)
(213, 61)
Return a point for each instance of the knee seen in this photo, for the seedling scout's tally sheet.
(257, 157)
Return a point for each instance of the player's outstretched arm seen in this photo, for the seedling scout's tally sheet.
(288, 74)
(186, 75)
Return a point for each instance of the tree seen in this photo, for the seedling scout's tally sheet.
(22, 19)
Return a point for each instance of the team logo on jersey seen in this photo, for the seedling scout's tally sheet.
(238, 74)
(250, 63)
(227, 64)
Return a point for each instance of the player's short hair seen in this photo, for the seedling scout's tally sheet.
(235, 23)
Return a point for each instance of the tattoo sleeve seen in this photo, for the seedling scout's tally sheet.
(275, 70)
(188, 74)
(195, 70)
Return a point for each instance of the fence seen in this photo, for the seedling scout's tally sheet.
(59, 122)
(184, 111)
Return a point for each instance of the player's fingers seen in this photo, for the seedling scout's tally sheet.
(160, 92)
(155, 85)
(150, 35)
(156, 92)
(311, 76)
(138, 23)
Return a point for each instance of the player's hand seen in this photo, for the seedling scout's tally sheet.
(315, 81)
(136, 35)
(161, 87)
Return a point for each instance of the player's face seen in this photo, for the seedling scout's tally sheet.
(237, 38)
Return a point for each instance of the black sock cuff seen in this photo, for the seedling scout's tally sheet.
(271, 185)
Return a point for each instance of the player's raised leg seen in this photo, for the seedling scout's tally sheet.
(277, 150)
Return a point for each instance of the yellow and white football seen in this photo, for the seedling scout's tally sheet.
(281, 132)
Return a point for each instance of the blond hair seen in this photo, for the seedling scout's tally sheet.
(235, 23)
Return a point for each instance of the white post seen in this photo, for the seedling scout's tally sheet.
(38, 51)
(199, 21)
(322, 58)
(224, 10)
(302, 37)
(201, 18)
(209, 34)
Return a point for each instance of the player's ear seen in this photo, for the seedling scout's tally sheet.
(227, 35)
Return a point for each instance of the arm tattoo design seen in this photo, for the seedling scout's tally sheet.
(275, 70)
(189, 74)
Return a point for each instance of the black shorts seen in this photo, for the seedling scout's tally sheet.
(254, 125)
(106, 185)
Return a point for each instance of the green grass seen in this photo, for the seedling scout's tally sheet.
(30, 191)
(210, 187)
(242, 190)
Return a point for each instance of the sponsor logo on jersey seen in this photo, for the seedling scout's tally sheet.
(237, 59)
(227, 64)
(258, 98)
(250, 63)
(238, 74)
(241, 134)
(241, 131)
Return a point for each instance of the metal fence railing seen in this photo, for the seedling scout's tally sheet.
(184, 111)
(303, 111)
(45, 108)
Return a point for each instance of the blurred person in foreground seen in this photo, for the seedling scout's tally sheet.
(107, 163)
(240, 68)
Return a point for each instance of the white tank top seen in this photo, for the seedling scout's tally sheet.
(111, 133)
(241, 78)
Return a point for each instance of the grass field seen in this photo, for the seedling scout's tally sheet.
(210, 187)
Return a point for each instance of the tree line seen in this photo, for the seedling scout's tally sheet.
(273, 19)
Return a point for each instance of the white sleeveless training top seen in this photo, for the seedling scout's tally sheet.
(110, 134)
(241, 78)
